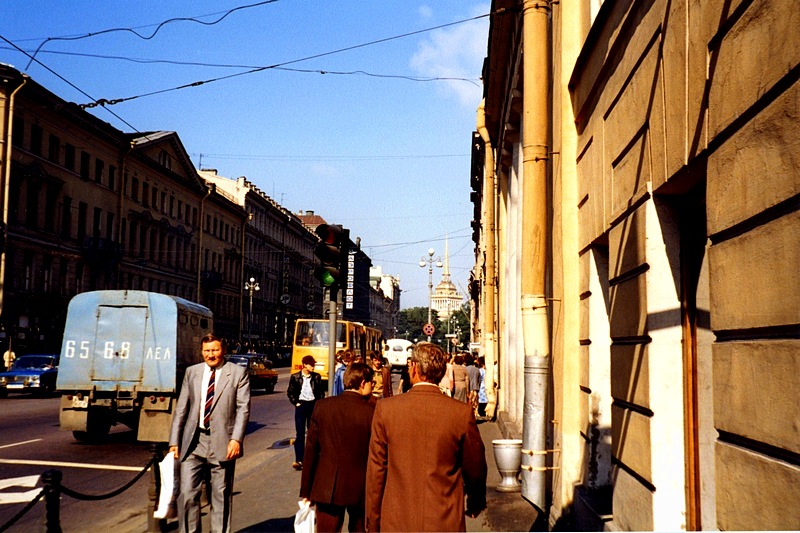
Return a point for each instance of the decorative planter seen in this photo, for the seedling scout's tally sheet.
(508, 457)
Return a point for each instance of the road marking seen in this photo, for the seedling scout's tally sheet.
(19, 443)
(18, 497)
(70, 465)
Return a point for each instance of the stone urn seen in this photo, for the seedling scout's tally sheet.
(508, 457)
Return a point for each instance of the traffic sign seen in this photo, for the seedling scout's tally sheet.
(428, 329)
(285, 298)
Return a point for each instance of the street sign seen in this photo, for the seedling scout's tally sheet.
(285, 299)
(428, 329)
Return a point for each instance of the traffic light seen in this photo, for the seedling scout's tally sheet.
(332, 256)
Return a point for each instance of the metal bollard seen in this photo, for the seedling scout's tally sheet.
(52, 501)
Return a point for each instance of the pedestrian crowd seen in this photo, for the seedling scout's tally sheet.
(404, 459)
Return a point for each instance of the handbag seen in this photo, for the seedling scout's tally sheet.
(167, 499)
(305, 521)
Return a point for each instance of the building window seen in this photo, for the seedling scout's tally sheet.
(145, 194)
(112, 171)
(96, 222)
(164, 203)
(18, 132)
(32, 207)
(54, 149)
(50, 209)
(132, 239)
(171, 206)
(83, 208)
(63, 276)
(84, 165)
(69, 157)
(48, 273)
(99, 166)
(79, 278)
(36, 139)
(109, 226)
(142, 241)
(154, 202)
(135, 189)
(66, 217)
(28, 268)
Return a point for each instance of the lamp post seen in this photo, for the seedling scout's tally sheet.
(251, 286)
(430, 261)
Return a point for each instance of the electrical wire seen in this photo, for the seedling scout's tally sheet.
(106, 102)
(158, 27)
(227, 65)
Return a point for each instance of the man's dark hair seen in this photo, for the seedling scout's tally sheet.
(309, 360)
(210, 337)
(432, 361)
(356, 374)
(469, 359)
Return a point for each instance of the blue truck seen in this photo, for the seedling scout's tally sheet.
(123, 358)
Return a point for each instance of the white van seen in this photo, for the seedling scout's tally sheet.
(396, 352)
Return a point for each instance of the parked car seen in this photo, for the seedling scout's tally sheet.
(262, 375)
(30, 373)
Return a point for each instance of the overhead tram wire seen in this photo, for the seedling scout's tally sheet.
(62, 78)
(144, 61)
(158, 27)
(106, 102)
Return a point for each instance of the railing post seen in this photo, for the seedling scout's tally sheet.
(52, 501)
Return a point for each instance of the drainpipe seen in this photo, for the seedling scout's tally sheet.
(123, 181)
(8, 120)
(211, 188)
(535, 327)
(490, 282)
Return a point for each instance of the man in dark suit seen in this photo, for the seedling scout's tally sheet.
(335, 468)
(425, 453)
(207, 433)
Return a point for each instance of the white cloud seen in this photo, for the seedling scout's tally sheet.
(425, 12)
(455, 52)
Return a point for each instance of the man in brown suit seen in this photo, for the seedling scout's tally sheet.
(335, 468)
(424, 455)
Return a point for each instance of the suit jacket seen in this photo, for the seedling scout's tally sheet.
(424, 454)
(230, 410)
(335, 460)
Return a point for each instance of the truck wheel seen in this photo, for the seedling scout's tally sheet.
(269, 388)
(97, 428)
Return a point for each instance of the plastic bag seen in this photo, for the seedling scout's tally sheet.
(167, 500)
(305, 520)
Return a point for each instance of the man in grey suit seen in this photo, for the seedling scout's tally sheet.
(207, 432)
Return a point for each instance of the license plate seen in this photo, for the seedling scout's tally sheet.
(80, 403)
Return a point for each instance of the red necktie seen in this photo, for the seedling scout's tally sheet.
(209, 400)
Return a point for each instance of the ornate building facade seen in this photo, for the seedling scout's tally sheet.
(636, 278)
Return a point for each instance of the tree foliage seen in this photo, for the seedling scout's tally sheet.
(414, 318)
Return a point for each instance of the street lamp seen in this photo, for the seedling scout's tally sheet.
(430, 261)
(251, 286)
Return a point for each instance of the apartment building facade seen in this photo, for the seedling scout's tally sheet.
(638, 204)
(279, 258)
(89, 207)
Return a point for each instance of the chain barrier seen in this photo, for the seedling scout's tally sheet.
(53, 489)
(28, 507)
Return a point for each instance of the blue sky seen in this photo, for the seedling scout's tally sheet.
(361, 145)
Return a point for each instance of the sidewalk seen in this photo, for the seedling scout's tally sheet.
(504, 511)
